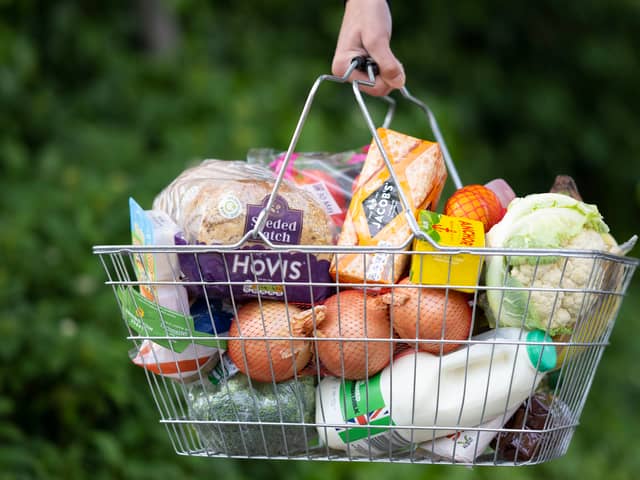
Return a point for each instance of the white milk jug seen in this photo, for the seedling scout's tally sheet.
(449, 393)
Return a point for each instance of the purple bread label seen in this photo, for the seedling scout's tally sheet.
(290, 275)
(283, 225)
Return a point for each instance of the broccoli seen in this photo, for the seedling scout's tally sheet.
(246, 403)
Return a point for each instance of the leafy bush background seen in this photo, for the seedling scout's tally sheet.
(90, 114)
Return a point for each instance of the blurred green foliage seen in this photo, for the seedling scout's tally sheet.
(89, 116)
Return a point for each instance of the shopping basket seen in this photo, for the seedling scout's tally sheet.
(496, 396)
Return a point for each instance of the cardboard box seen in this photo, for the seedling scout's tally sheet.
(444, 269)
(376, 216)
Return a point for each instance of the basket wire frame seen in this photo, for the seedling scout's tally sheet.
(601, 300)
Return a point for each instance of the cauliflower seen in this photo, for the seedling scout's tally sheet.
(556, 308)
(550, 292)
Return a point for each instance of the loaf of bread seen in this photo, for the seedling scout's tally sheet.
(213, 201)
(217, 202)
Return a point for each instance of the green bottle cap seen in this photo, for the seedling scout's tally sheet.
(543, 357)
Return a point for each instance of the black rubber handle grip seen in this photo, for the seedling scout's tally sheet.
(363, 63)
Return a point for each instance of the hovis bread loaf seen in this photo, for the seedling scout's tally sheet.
(217, 202)
(375, 216)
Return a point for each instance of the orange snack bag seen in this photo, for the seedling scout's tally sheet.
(375, 216)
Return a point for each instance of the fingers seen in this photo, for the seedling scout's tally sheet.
(382, 86)
(391, 70)
(391, 75)
(339, 67)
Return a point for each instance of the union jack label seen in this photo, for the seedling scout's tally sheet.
(363, 408)
(362, 426)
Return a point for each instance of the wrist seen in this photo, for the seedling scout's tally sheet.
(345, 2)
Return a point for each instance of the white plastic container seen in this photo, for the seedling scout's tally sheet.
(459, 390)
(466, 445)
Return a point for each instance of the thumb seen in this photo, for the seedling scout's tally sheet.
(393, 75)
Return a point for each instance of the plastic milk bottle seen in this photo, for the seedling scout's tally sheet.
(449, 393)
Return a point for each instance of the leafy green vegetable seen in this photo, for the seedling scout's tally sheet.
(543, 291)
(234, 409)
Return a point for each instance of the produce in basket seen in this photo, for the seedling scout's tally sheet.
(272, 359)
(352, 314)
(218, 202)
(476, 202)
(247, 403)
(546, 221)
(429, 314)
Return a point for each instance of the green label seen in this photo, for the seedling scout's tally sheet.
(361, 403)
(150, 319)
(426, 221)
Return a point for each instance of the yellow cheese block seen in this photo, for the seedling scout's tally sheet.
(459, 269)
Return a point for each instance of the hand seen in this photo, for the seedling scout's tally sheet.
(366, 31)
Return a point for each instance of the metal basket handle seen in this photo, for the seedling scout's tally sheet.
(371, 68)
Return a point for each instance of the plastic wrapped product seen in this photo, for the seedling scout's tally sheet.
(239, 400)
(218, 202)
(328, 176)
(154, 227)
(168, 363)
(538, 412)
(170, 315)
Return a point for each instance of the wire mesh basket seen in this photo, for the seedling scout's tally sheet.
(361, 371)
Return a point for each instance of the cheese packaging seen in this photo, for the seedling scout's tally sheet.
(444, 269)
(375, 216)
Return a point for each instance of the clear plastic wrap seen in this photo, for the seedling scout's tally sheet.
(217, 202)
(528, 427)
(244, 404)
(327, 176)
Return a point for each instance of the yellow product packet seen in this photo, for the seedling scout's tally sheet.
(459, 269)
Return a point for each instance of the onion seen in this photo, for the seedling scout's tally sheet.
(429, 313)
(352, 314)
(270, 359)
